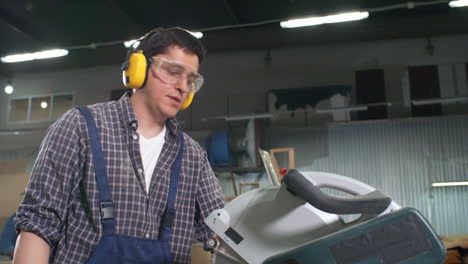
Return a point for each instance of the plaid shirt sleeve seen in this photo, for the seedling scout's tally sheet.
(57, 166)
(209, 198)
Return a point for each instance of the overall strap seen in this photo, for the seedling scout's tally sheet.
(105, 197)
(169, 214)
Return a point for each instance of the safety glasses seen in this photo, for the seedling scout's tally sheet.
(173, 72)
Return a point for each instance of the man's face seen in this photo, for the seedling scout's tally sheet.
(165, 98)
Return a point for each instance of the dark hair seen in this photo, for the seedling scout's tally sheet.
(158, 40)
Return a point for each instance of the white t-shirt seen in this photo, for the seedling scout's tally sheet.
(150, 150)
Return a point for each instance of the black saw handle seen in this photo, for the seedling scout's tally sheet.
(372, 203)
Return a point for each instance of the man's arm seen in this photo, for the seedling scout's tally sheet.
(41, 215)
(209, 198)
(23, 254)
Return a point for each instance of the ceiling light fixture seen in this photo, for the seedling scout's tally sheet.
(458, 3)
(9, 89)
(43, 105)
(313, 21)
(46, 54)
(445, 184)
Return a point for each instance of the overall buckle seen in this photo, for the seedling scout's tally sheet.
(107, 210)
(169, 218)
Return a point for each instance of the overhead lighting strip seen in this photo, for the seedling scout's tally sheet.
(459, 3)
(34, 55)
(446, 184)
(46, 54)
(313, 21)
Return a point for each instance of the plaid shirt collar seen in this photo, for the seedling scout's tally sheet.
(127, 115)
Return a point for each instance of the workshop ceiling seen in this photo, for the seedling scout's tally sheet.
(34, 25)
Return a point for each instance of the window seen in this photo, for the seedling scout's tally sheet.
(19, 110)
(39, 108)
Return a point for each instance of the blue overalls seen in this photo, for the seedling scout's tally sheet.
(118, 249)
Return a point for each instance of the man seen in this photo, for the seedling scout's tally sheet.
(66, 217)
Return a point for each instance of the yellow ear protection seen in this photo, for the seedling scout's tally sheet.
(135, 71)
(187, 101)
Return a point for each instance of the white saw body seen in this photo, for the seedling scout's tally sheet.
(274, 220)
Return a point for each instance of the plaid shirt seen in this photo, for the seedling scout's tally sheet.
(61, 204)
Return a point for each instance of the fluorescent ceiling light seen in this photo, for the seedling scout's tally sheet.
(447, 100)
(35, 55)
(342, 109)
(459, 3)
(444, 184)
(8, 89)
(312, 21)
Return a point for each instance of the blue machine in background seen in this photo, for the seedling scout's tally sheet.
(218, 149)
(233, 147)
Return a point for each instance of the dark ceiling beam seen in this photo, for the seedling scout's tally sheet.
(231, 11)
(18, 24)
(117, 6)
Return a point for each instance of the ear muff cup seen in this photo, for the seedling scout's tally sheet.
(134, 76)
